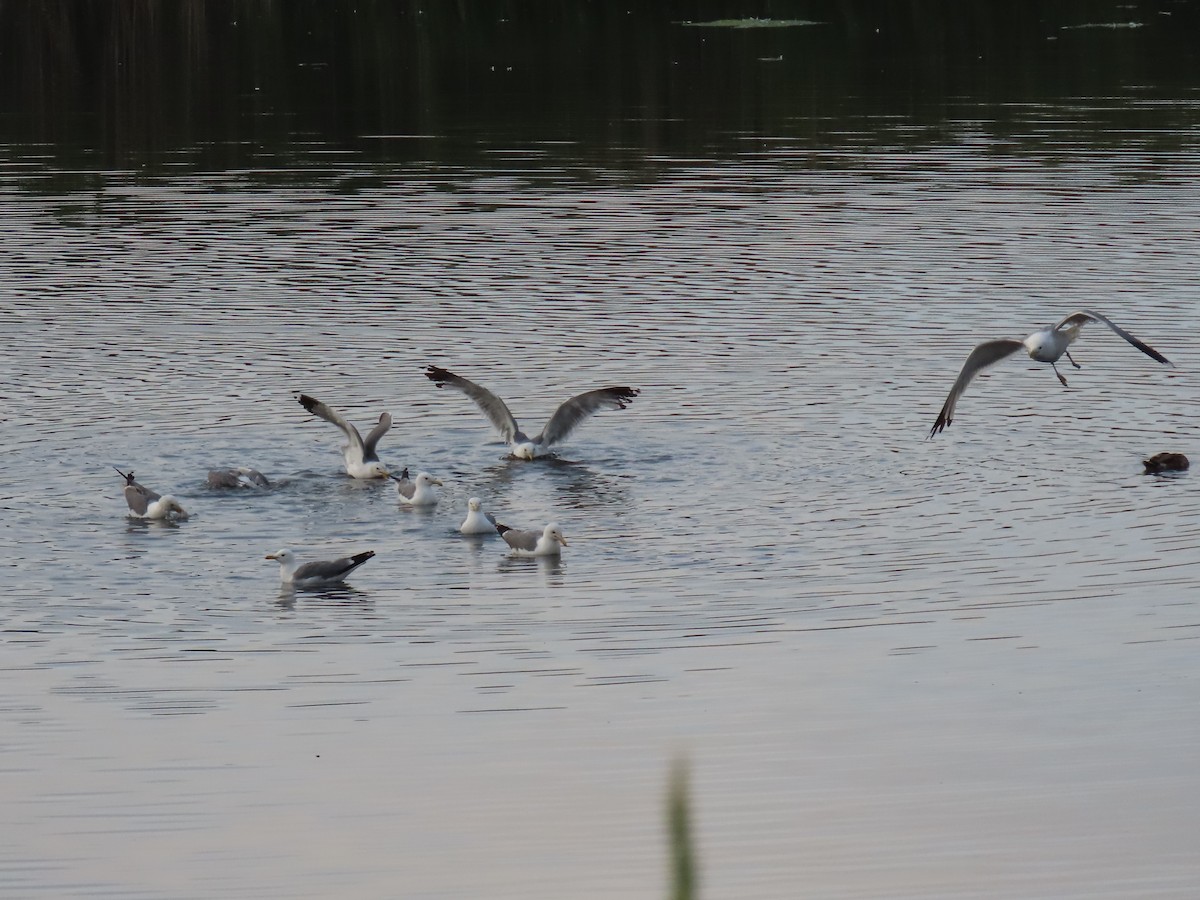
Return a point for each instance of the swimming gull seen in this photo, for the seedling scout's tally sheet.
(146, 504)
(547, 542)
(1047, 345)
(477, 521)
(361, 459)
(419, 492)
(565, 419)
(237, 477)
(316, 574)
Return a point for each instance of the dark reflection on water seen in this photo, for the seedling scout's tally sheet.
(281, 89)
(344, 594)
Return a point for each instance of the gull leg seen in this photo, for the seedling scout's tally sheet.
(1059, 374)
(1075, 364)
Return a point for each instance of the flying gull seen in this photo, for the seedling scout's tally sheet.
(361, 459)
(477, 521)
(1047, 345)
(547, 542)
(419, 492)
(146, 504)
(565, 419)
(237, 477)
(316, 574)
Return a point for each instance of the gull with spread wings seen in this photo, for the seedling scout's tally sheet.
(565, 419)
(362, 460)
(1048, 346)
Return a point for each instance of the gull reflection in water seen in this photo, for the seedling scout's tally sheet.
(550, 567)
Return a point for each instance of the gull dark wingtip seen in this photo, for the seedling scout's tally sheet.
(501, 528)
(437, 375)
(306, 401)
(939, 426)
(622, 396)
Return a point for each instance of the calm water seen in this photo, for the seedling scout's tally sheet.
(964, 667)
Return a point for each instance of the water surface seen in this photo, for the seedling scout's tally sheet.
(899, 667)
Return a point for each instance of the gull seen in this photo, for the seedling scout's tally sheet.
(419, 492)
(361, 459)
(146, 504)
(477, 521)
(1047, 345)
(548, 542)
(237, 477)
(316, 574)
(565, 419)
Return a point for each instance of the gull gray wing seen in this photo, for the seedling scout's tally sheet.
(242, 476)
(1085, 316)
(406, 488)
(385, 422)
(986, 354)
(491, 405)
(137, 496)
(223, 478)
(255, 476)
(519, 540)
(331, 570)
(321, 411)
(568, 416)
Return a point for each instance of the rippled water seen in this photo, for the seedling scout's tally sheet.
(899, 667)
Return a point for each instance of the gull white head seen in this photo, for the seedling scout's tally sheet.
(287, 563)
(474, 504)
(1044, 345)
(373, 469)
(525, 450)
(553, 535)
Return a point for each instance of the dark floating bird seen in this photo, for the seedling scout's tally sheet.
(146, 504)
(1166, 462)
(1047, 345)
(565, 419)
(547, 542)
(237, 477)
(324, 573)
(362, 460)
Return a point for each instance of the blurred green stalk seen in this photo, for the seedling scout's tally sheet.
(679, 827)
